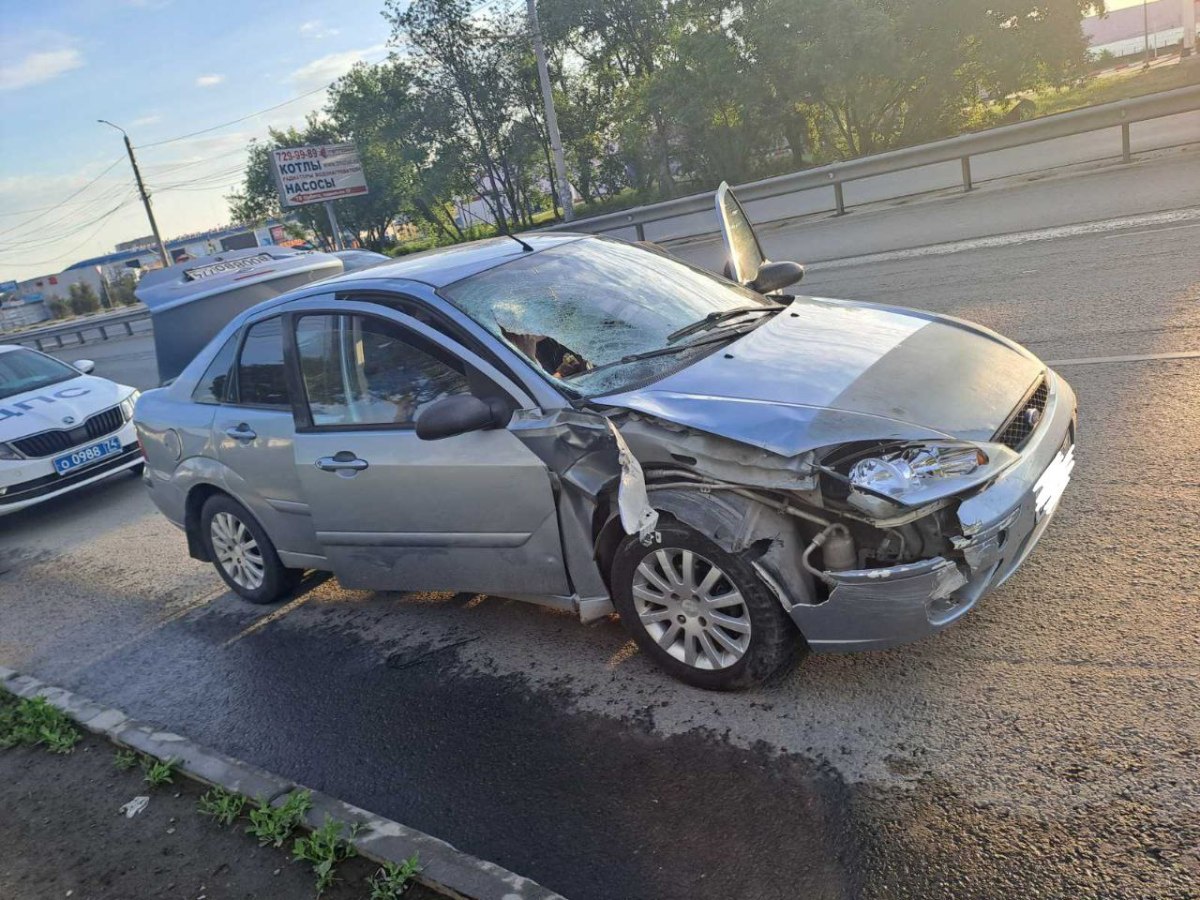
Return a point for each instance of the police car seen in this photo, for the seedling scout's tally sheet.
(60, 427)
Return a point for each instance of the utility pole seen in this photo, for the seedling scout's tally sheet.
(560, 166)
(137, 175)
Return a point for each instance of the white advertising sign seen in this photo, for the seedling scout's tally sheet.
(316, 174)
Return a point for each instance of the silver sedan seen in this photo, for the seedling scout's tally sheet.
(738, 471)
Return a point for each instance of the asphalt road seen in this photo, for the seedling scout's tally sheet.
(1047, 745)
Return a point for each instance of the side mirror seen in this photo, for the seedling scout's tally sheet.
(775, 276)
(458, 415)
(86, 366)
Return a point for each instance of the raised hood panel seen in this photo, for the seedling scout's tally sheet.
(45, 409)
(827, 371)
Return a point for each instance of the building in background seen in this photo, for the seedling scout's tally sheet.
(27, 302)
(1122, 31)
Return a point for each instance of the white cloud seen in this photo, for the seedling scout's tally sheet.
(329, 68)
(209, 80)
(37, 67)
(152, 119)
(315, 28)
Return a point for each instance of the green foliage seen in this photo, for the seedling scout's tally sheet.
(659, 97)
(392, 880)
(125, 760)
(82, 298)
(156, 772)
(222, 805)
(58, 307)
(274, 824)
(121, 288)
(36, 723)
(324, 849)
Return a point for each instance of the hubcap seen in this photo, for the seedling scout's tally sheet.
(237, 551)
(691, 608)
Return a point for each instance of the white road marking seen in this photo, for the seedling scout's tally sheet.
(1141, 357)
(1122, 224)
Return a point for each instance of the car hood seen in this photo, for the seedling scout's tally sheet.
(45, 409)
(823, 372)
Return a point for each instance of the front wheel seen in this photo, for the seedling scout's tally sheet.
(243, 553)
(702, 614)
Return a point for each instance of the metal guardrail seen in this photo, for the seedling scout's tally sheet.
(100, 326)
(1121, 113)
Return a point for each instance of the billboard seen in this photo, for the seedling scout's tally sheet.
(316, 174)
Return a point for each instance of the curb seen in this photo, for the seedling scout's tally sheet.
(443, 867)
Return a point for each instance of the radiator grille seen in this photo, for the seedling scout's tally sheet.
(1026, 419)
(50, 442)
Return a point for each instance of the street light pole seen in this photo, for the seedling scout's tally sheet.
(560, 166)
(137, 176)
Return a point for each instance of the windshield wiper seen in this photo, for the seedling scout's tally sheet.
(661, 351)
(716, 318)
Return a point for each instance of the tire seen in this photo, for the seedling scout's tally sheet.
(754, 642)
(254, 571)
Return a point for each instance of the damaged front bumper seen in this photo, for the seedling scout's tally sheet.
(877, 608)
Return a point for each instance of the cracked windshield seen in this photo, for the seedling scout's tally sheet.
(580, 311)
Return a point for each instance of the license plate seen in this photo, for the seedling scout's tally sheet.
(224, 268)
(85, 456)
(1049, 488)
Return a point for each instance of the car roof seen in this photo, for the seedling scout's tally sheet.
(447, 265)
(5, 348)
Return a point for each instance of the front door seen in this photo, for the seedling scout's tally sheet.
(474, 512)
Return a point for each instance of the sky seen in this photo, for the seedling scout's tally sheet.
(159, 69)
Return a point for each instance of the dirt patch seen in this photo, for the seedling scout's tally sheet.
(63, 836)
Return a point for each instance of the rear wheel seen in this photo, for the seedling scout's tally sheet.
(702, 614)
(242, 552)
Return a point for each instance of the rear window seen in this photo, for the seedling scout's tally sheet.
(262, 380)
(214, 384)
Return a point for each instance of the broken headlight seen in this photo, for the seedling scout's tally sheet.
(897, 474)
(914, 474)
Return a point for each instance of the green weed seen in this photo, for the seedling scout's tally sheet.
(125, 760)
(274, 824)
(392, 880)
(36, 723)
(158, 772)
(222, 805)
(324, 849)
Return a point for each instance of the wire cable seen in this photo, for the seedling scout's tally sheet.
(112, 165)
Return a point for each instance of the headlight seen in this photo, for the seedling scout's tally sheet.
(897, 474)
(922, 473)
(7, 452)
(129, 403)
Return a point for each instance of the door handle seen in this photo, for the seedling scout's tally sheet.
(345, 461)
(242, 432)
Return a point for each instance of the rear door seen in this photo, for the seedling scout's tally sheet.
(745, 253)
(253, 430)
(474, 512)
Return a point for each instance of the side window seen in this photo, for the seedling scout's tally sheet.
(213, 384)
(260, 373)
(360, 370)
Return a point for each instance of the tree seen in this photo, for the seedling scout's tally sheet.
(876, 74)
(121, 289)
(82, 298)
